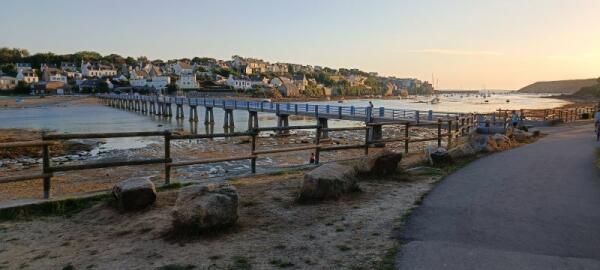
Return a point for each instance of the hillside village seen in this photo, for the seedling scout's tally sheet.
(90, 72)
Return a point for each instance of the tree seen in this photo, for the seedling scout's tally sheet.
(22, 88)
(171, 89)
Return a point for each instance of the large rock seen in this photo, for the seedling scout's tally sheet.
(521, 136)
(502, 141)
(462, 151)
(328, 181)
(134, 194)
(201, 207)
(383, 163)
(440, 156)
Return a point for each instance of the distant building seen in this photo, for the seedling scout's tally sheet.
(51, 74)
(187, 81)
(285, 86)
(244, 82)
(181, 68)
(149, 77)
(300, 81)
(97, 70)
(27, 76)
(7, 82)
(22, 66)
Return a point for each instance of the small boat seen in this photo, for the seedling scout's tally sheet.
(486, 101)
(508, 100)
(341, 101)
(266, 100)
(436, 100)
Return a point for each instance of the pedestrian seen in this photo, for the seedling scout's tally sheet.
(370, 104)
(515, 119)
(312, 158)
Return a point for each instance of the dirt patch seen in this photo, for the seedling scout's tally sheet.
(30, 102)
(273, 231)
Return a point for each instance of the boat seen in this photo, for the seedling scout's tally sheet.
(341, 101)
(435, 100)
(486, 101)
(508, 100)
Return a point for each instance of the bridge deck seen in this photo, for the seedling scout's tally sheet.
(354, 113)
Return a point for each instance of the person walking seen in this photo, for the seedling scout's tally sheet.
(312, 159)
(515, 119)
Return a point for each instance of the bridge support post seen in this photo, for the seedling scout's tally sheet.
(376, 135)
(283, 121)
(228, 123)
(324, 124)
(169, 110)
(252, 120)
(193, 113)
(179, 111)
(161, 107)
(209, 116)
(152, 109)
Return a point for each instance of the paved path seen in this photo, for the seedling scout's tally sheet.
(533, 207)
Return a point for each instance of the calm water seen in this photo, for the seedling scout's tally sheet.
(99, 118)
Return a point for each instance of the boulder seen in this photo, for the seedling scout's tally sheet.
(521, 136)
(502, 141)
(329, 181)
(134, 194)
(440, 156)
(462, 151)
(75, 146)
(202, 207)
(383, 163)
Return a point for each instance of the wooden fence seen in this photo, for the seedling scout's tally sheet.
(446, 130)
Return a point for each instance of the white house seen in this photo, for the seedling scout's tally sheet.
(97, 70)
(28, 76)
(244, 82)
(7, 82)
(151, 77)
(181, 68)
(187, 81)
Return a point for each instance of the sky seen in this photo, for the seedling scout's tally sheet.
(462, 44)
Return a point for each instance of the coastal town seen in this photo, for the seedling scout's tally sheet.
(266, 135)
(90, 72)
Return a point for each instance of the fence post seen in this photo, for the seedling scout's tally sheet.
(317, 142)
(406, 138)
(167, 157)
(367, 132)
(45, 170)
(439, 133)
(449, 135)
(252, 149)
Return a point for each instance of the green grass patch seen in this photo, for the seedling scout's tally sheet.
(281, 263)
(65, 207)
(60, 207)
(177, 267)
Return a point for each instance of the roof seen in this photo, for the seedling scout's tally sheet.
(184, 65)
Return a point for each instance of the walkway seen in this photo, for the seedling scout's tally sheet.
(533, 207)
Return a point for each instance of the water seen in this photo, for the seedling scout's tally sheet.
(100, 118)
(462, 103)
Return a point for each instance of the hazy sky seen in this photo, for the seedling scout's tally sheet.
(502, 44)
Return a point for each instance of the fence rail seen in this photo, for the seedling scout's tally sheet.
(447, 129)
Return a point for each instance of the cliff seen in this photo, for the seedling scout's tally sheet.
(558, 87)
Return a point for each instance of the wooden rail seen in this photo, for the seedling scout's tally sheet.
(447, 129)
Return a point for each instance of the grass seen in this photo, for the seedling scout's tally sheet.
(66, 207)
(281, 263)
(388, 260)
(240, 263)
(177, 267)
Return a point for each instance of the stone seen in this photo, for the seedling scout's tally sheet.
(75, 146)
(521, 136)
(502, 141)
(462, 151)
(383, 163)
(328, 181)
(440, 157)
(203, 207)
(134, 194)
